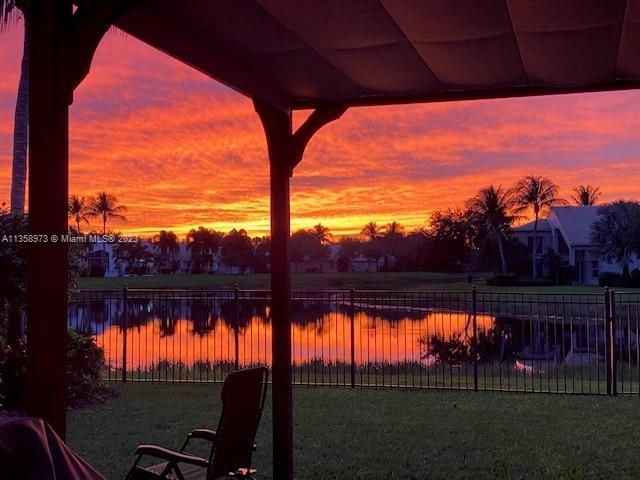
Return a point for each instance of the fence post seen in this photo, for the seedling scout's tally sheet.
(352, 298)
(614, 360)
(236, 296)
(125, 325)
(607, 336)
(474, 338)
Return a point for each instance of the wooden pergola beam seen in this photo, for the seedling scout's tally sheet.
(479, 94)
(286, 149)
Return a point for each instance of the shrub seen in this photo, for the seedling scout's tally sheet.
(610, 279)
(13, 372)
(85, 366)
(454, 351)
(559, 270)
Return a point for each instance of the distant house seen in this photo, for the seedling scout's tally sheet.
(567, 231)
(327, 265)
(363, 264)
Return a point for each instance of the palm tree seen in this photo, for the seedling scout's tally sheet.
(393, 228)
(106, 206)
(538, 194)
(372, 231)
(77, 210)
(8, 16)
(491, 208)
(322, 233)
(167, 242)
(203, 244)
(393, 235)
(586, 195)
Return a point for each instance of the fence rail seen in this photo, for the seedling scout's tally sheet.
(580, 343)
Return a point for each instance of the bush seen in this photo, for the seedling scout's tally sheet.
(453, 351)
(85, 366)
(559, 270)
(610, 279)
(13, 373)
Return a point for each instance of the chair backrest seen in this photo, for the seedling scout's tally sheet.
(243, 395)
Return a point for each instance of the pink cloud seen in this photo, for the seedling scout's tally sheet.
(181, 150)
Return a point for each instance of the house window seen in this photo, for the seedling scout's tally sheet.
(595, 270)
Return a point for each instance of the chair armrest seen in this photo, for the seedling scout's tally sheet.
(171, 455)
(204, 434)
(243, 473)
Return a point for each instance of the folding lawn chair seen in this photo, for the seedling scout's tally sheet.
(232, 443)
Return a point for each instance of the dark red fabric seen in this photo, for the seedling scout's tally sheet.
(31, 450)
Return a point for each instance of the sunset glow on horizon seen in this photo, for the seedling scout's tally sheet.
(181, 150)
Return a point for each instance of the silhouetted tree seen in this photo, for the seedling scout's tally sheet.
(616, 233)
(9, 13)
(77, 210)
(167, 244)
(236, 249)
(539, 194)
(490, 211)
(412, 251)
(262, 254)
(371, 231)
(105, 207)
(13, 277)
(586, 195)
(393, 235)
(322, 233)
(203, 244)
(453, 234)
(135, 254)
(350, 247)
(306, 246)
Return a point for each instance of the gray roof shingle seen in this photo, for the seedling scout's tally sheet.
(576, 223)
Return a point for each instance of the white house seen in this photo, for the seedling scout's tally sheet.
(567, 231)
(102, 258)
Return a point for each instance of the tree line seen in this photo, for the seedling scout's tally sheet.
(475, 237)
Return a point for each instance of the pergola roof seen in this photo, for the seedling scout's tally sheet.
(306, 53)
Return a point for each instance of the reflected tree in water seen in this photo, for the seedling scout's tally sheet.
(202, 315)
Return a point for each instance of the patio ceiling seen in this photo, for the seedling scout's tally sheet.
(306, 53)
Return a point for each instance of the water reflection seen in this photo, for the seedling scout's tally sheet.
(212, 330)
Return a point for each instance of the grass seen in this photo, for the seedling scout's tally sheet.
(399, 281)
(545, 377)
(300, 281)
(386, 434)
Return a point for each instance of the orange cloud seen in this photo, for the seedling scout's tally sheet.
(180, 150)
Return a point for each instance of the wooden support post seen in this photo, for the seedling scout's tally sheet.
(48, 183)
(285, 152)
(277, 126)
(61, 44)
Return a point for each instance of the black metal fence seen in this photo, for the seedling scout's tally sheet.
(525, 342)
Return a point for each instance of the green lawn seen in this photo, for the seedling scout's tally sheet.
(373, 434)
(400, 281)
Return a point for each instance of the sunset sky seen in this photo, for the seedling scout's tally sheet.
(181, 150)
